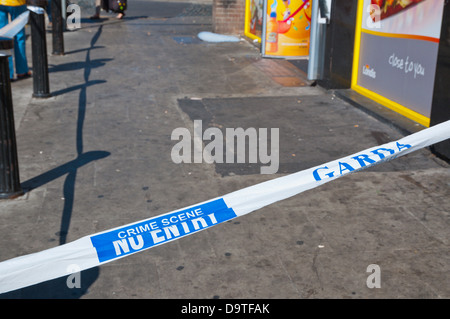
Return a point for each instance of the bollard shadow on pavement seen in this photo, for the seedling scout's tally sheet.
(84, 49)
(72, 66)
(88, 23)
(77, 87)
(64, 169)
(89, 20)
(59, 288)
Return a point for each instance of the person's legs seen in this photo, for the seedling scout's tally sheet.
(4, 12)
(121, 13)
(97, 9)
(20, 55)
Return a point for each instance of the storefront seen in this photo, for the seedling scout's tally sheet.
(395, 54)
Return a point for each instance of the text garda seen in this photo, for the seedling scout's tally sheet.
(376, 156)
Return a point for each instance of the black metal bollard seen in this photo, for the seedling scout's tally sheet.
(9, 165)
(57, 29)
(41, 87)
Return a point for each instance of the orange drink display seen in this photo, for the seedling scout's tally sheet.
(272, 33)
(288, 28)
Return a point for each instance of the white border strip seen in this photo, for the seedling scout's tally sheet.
(53, 263)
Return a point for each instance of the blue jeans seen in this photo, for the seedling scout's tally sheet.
(20, 56)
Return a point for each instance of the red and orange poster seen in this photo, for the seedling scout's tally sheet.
(395, 56)
(391, 7)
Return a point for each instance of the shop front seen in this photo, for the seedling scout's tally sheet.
(395, 54)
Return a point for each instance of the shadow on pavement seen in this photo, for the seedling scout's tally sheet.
(57, 288)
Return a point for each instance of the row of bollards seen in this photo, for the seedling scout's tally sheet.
(9, 167)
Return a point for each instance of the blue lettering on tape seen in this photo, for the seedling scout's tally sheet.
(160, 229)
(361, 160)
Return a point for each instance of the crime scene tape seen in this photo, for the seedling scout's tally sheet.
(97, 249)
(36, 9)
(11, 29)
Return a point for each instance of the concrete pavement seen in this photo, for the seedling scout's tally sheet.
(120, 91)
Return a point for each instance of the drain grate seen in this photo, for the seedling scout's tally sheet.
(187, 40)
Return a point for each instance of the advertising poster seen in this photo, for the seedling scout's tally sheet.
(287, 27)
(396, 54)
(254, 19)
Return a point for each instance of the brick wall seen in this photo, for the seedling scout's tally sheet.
(228, 16)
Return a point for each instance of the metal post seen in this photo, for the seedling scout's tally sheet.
(57, 28)
(317, 42)
(41, 88)
(9, 165)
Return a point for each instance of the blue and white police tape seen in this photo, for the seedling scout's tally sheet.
(110, 245)
(11, 29)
